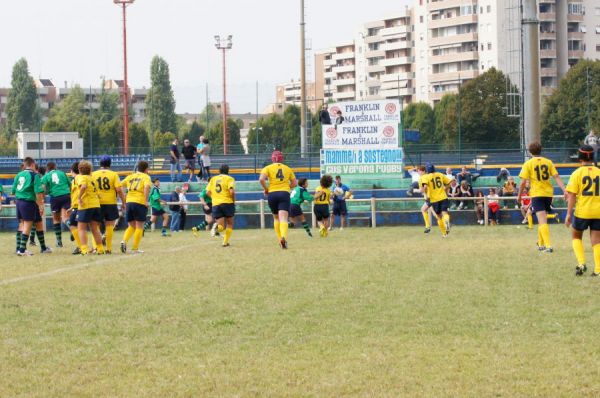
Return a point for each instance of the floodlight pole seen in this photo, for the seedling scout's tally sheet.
(125, 92)
(224, 45)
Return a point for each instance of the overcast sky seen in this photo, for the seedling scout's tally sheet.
(78, 41)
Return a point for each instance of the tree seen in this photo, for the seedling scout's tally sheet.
(109, 135)
(565, 114)
(21, 107)
(108, 108)
(193, 132)
(420, 116)
(215, 136)
(163, 140)
(446, 121)
(138, 138)
(160, 102)
(69, 114)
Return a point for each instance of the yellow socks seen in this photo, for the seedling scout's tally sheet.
(544, 230)
(137, 238)
(91, 239)
(551, 216)
(446, 217)
(228, 233)
(579, 252)
(442, 225)
(75, 234)
(530, 221)
(128, 234)
(277, 227)
(283, 228)
(540, 236)
(109, 237)
(220, 228)
(597, 259)
(100, 248)
(426, 219)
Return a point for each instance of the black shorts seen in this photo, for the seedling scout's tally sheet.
(581, 224)
(339, 208)
(279, 201)
(440, 207)
(295, 210)
(109, 212)
(89, 215)
(73, 218)
(223, 210)
(157, 212)
(209, 211)
(28, 211)
(136, 212)
(59, 203)
(322, 212)
(541, 203)
(190, 164)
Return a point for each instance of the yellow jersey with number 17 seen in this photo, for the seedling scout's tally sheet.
(539, 170)
(219, 188)
(436, 186)
(107, 182)
(585, 183)
(136, 184)
(279, 176)
(322, 196)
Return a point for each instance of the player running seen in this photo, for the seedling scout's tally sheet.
(138, 187)
(88, 212)
(583, 190)
(57, 185)
(538, 171)
(420, 170)
(281, 181)
(221, 190)
(434, 188)
(29, 195)
(298, 196)
(206, 203)
(322, 199)
(109, 187)
(157, 210)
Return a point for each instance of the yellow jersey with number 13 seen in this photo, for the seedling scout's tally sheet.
(279, 176)
(436, 186)
(107, 182)
(135, 184)
(322, 196)
(539, 170)
(219, 188)
(585, 183)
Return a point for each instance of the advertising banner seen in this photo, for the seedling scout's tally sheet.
(373, 112)
(361, 161)
(360, 136)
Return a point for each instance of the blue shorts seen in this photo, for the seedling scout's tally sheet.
(89, 215)
(582, 224)
(59, 203)
(321, 212)
(73, 218)
(223, 210)
(279, 201)
(109, 212)
(541, 203)
(295, 211)
(209, 211)
(28, 211)
(440, 207)
(157, 212)
(136, 212)
(339, 208)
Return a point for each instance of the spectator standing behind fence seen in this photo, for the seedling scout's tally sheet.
(494, 207)
(174, 160)
(339, 119)
(199, 147)
(324, 116)
(592, 140)
(189, 154)
(479, 209)
(465, 192)
(206, 163)
(175, 209)
(184, 208)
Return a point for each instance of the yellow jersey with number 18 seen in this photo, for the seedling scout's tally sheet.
(219, 188)
(107, 182)
(436, 186)
(585, 183)
(322, 196)
(539, 170)
(136, 184)
(279, 176)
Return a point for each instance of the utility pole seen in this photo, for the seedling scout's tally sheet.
(531, 72)
(224, 45)
(303, 137)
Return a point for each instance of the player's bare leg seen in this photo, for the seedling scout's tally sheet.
(282, 217)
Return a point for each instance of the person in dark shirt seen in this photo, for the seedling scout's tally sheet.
(339, 119)
(174, 156)
(324, 116)
(189, 154)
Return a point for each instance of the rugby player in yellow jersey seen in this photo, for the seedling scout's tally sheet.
(221, 190)
(538, 171)
(281, 181)
(433, 185)
(88, 212)
(426, 206)
(583, 194)
(138, 187)
(73, 210)
(109, 187)
(322, 198)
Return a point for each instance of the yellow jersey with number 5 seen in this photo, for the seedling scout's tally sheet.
(219, 188)
(585, 183)
(279, 176)
(322, 196)
(436, 186)
(107, 182)
(539, 171)
(136, 184)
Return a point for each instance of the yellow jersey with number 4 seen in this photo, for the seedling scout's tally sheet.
(539, 171)
(107, 182)
(585, 183)
(136, 184)
(219, 188)
(89, 199)
(322, 196)
(436, 186)
(279, 176)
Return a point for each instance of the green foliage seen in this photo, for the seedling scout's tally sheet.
(280, 132)
(138, 138)
(446, 121)
(316, 134)
(70, 114)
(21, 107)
(160, 102)
(109, 137)
(215, 136)
(192, 132)
(108, 106)
(420, 116)
(163, 140)
(565, 115)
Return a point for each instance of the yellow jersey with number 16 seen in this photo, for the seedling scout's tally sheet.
(436, 186)
(219, 188)
(279, 176)
(585, 183)
(136, 184)
(539, 170)
(107, 182)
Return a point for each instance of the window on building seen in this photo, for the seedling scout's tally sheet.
(575, 8)
(598, 30)
(69, 145)
(482, 47)
(35, 145)
(55, 145)
(421, 19)
(489, 46)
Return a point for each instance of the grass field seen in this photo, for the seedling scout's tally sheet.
(383, 312)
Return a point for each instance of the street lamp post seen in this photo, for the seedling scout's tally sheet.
(125, 93)
(224, 45)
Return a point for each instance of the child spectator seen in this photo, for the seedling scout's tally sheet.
(479, 203)
(453, 191)
(509, 189)
(494, 207)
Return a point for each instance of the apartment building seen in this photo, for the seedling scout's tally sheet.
(591, 26)
(290, 94)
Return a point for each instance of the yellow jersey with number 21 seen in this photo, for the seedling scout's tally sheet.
(585, 183)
